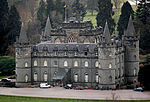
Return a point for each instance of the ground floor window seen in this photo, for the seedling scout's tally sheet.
(97, 78)
(26, 78)
(45, 76)
(76, 77)
(86, 77)
(35, 76)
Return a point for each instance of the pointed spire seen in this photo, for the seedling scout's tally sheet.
(106, 33)
(47, 28)
(23, 36)
(130, 29)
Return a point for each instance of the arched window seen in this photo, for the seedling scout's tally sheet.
(96, 64)
(57, 40)
(26, 78)
(97, 78)
(110, 65)
(35, 76)
(45, 63)
(35, 63)
(75, 63)
(86, 63)
(134, 72)
(45, 76)
(65, 64)
(86, 40)
(86, 77)
(26, 64)
(76, 78)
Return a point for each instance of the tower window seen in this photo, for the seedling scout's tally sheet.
(110, 65)
(96, 64)
(97, 77)
(86, 63)
(26, 64)
(35, 63)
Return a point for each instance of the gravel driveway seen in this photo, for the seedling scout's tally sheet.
(59, 92)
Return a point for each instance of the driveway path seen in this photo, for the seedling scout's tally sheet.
(59, 92)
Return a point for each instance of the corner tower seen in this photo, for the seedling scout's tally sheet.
(23, 59)
(106, 58)
(131, 44)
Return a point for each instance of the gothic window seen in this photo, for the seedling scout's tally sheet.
(86, 77)
(45, 63)
(35, 76)
(55, 63)
(45, 76)
(96, 64)
(86, 40)
(97, 78)
(65, 64)
(110, 65)
(57, 40)
(75, 63)
(76, 78)
(86, 63)
(26, 64)
(35, 63)
(26, 78)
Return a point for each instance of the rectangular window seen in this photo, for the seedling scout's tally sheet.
(55, 63)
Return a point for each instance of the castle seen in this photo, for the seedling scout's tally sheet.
(78, 54)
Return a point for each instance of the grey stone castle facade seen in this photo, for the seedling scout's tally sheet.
(79, 54)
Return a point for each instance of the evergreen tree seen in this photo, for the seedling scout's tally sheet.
(142, 12)
(14, 25)
(3, 22)
(42, 14)
(78, 10)
(105, 14)
(126, 11)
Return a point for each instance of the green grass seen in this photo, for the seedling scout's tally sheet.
(91, 17)
(1, 77)
(6, 98)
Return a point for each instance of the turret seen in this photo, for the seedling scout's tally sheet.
(23, 59)
(106, 58)
(131, 43)
(46, 36)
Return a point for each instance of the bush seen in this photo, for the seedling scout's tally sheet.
(7, 65)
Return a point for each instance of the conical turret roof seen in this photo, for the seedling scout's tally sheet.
(130, 29)
(106, 33)
(47, 28)
(23, 36)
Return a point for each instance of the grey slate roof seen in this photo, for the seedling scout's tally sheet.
(130, 29)
(23, 36)
(69, 47)
(106, 33)
(47, 28)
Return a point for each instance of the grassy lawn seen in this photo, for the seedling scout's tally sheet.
(4, 98)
